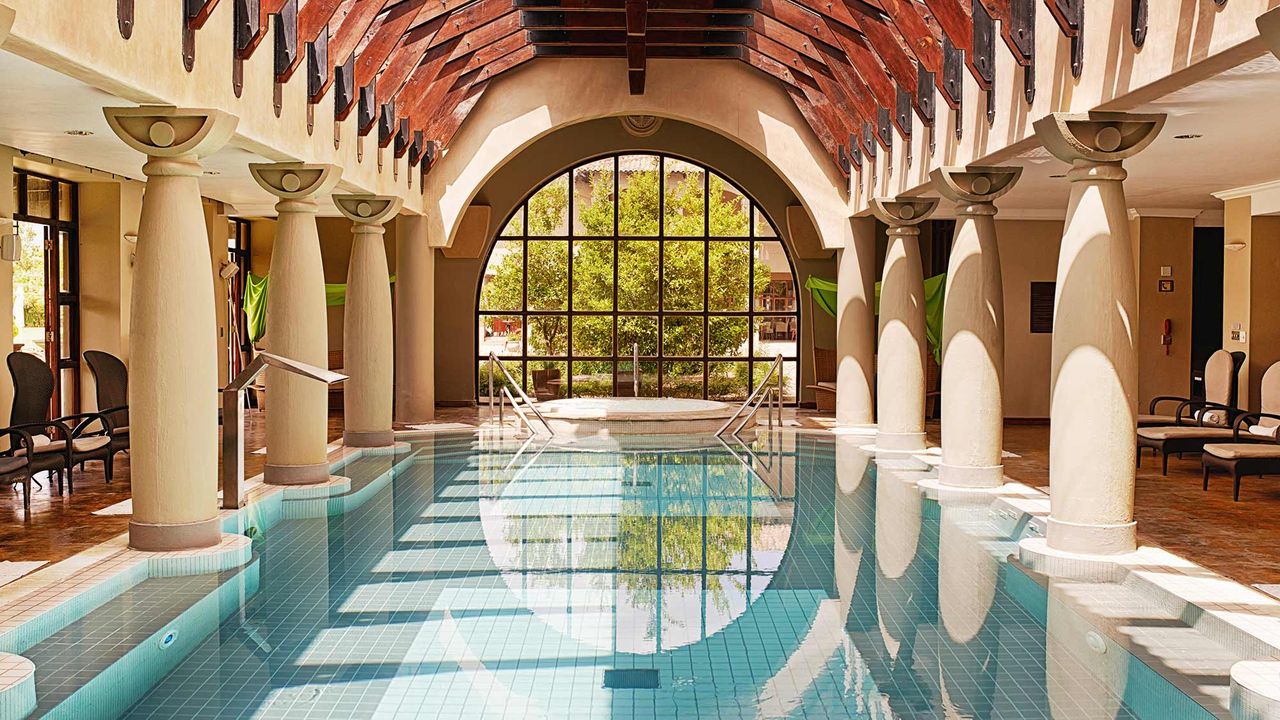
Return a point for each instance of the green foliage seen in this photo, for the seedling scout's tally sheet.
(549, 208)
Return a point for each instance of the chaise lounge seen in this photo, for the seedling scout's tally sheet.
(1221, 385)
(1197, 422)
(1257, 450)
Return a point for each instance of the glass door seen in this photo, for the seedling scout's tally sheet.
(46, 288)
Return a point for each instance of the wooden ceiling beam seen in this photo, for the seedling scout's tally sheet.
(673, 6)
(576, 20)
(636, 39)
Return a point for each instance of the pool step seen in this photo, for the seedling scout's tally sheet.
(1158, 639)
(106, 661)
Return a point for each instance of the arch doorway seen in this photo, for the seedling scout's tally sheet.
(638, 253)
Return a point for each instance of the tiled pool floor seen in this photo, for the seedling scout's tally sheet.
(483, 585)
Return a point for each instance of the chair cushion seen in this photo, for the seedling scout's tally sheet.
(83, 444)
(1237, 451)
(10, 465)
(1145, 420)
(120, 430)
(824, 385)
(1176, 432)
(90, 443)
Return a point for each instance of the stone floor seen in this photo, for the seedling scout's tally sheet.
(1238, 540)
(61, 526)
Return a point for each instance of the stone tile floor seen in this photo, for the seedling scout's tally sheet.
(1231, 538)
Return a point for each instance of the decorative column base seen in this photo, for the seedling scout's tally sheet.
(167, 537)
(296, 474)
(1255, 690)
(368, 438)
(1092, 538)
(901, 442)
(1035, 553)
(969, 477)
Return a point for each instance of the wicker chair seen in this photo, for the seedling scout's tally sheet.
(58, 444)
(111, 378)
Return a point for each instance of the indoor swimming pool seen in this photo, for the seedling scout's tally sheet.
(469, 576)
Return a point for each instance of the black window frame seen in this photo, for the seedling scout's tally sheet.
(756, 364)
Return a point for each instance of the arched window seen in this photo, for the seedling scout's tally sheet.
(639, 251)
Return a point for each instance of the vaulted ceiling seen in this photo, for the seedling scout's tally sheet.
(412, 69)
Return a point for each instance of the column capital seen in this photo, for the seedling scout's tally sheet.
(295, 180)
(367, 209)
(167, 131)
(980, 184)
(1097, 137)
(903, 211)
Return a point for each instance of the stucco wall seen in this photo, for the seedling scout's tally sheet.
(1028, 253)
(457, 279)
(1163, 242)
(108, 211)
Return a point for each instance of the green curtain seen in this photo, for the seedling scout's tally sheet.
(255, 301)
(824, 296)
(824, 293)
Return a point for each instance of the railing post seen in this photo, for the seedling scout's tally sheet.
(635, 369)
(490, 385)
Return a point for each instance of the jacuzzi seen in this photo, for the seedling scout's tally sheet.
(635, 416)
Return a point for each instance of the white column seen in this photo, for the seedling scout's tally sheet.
(415, 322)
(1094, 386)
(297, 324)
(900, 365)
(856, 327)
(367, 340)
(973, 330)
(174, 346)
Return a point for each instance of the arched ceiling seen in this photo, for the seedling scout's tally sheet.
(412, 69)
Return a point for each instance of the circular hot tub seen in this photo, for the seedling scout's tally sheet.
(635, 416)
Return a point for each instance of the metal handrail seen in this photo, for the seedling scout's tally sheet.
(511, 383)
(635, 369)
(764, 382)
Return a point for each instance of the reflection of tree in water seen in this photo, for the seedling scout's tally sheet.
(682, 527)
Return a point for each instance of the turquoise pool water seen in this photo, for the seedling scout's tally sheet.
(498, 580)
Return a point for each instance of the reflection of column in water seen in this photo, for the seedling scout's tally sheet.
(855, 517)
(1085, 674)
(907, 583)
(968, 574)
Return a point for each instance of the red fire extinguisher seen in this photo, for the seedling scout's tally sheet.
(1166, 337)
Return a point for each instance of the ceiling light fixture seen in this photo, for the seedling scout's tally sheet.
(1188, 136)
(78, 133)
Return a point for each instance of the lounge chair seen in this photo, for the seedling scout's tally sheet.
(1253, 448)
(15, 464)
(58, 444)
(1221, 384)
(111, 378)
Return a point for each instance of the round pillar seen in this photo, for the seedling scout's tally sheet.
(297, 325)
(855, 327)
(1094, 384)
(415, 322)
(367, 338)
(973, 330)
(900, 373)
(174, 359)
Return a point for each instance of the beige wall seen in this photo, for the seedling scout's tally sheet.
(1028, 253)
(457, 278)
(1163, 242)
(1249, 281)
(108, 211)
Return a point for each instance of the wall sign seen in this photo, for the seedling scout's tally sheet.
(1166, 286)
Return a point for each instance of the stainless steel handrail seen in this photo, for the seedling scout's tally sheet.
(764, 382)
(635, 369)
(511, 383)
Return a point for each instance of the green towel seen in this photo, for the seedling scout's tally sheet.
(255, 301)
(824, 296)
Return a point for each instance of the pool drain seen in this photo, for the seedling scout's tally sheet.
(168, 639)
(631, 679)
